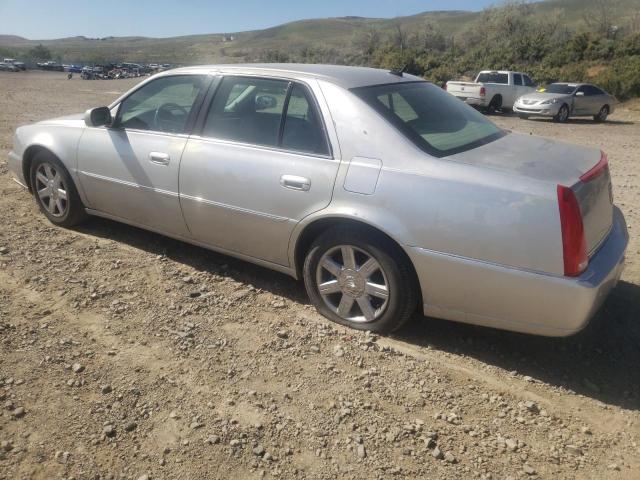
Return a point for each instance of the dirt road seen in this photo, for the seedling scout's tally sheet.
(127, 355)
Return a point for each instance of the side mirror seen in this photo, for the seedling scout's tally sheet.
(579, 94)
(97, 117)
(264, 102)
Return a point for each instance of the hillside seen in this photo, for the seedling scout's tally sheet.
(328, 34)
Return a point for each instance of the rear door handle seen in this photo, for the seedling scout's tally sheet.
(295, 183)
(159, 158)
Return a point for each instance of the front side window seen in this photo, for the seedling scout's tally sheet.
(163, 105)
(517, 79)
(528, 82)
(434, 120)
(266, 112)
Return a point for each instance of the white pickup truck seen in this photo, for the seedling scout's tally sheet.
(493, 90)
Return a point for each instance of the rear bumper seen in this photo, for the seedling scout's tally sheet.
(481, 293)
(473, 101)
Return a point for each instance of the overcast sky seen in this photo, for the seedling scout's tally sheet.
(46, 19)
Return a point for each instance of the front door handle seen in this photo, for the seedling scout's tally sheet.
(159, 158)
(295, 183)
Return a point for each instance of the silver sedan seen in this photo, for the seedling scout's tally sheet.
(379, 190)
(561, 101)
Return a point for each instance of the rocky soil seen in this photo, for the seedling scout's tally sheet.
(127, 355)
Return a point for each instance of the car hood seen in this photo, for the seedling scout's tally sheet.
(533, 157)
(75, 120)
(540, 96)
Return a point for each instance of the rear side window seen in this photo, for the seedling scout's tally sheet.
(303, 129)
(517, 79)
(247, 110)
(493, 77)
(266, 112)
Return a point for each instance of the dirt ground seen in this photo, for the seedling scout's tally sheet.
(127, 355)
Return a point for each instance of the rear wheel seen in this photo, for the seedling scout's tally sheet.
(602, 114)
(55, 192)
(360, 280)
(495, 104)
(563, 114)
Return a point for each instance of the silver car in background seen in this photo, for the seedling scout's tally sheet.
(378, 189)
(564, 100)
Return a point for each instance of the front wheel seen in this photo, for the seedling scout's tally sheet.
(602, 114)
(55, 191)
(360, 280)
(563, 114)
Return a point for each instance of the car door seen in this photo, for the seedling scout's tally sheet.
(597, 99)
(129, 170)
(261, 163)
(581, 101)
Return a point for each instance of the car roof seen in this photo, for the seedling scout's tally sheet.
(341, 75)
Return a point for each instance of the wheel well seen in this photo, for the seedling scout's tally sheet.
(315, 229)
(496, 97)
(27, 159)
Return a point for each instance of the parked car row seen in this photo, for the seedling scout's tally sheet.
(498, 91)
(11, 65)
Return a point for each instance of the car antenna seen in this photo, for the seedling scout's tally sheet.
(398, 73)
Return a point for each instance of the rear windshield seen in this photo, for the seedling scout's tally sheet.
(434, 120)
(493, 77)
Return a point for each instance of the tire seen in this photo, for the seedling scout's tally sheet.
(563, 114)
(49, 180)
(495, 104)
(602, 114)
(523, 116)
(391, 275)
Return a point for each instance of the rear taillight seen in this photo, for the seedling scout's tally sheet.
(483, 91)
(574, 243)
(598, 169)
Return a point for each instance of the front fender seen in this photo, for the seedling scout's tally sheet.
(61, 141)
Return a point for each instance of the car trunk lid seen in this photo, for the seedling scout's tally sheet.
(583, 170)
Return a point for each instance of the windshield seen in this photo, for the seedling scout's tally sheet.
(434, 120)
(493, 77)
(562, 88)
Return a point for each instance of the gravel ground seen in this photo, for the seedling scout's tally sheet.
(127, 355)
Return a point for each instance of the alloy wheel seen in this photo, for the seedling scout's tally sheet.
(564, 114)
(352, 284)
(51, 189)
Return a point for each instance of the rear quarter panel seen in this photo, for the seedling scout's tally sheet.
(458, 209)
